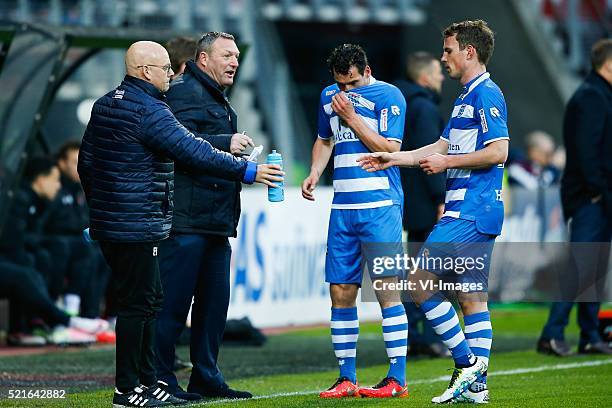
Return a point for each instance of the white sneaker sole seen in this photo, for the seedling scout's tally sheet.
(470, 397)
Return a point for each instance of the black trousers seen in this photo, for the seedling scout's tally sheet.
(198, 266)
(135, 274)
(27, 292)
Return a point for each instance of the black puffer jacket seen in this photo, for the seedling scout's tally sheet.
(126, 167)
(204, 203)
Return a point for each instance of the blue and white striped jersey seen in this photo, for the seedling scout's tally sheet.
(479, 117)
(383, 108)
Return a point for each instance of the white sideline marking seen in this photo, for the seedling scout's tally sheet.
(515, 371)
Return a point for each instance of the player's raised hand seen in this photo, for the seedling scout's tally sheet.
(376, 161)
(308, 186)
(269, 173)
(343, 106)
(434, 164)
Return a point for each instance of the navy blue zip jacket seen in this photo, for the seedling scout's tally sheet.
(126, 163)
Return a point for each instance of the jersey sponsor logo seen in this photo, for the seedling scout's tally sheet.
(328, 93)
(344, 136)
(454, 148)
(383, 119)
(494, 112)
(395, 110)
(483, 121)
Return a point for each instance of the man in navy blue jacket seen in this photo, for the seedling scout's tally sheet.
(586, 195)
(423, 194)
(127, 172)
(196, 259)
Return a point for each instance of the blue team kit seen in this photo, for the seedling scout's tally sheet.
(367, 207)
(474, 210)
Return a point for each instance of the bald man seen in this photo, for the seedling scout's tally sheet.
(126, 166)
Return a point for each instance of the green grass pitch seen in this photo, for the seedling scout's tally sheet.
(291, 368)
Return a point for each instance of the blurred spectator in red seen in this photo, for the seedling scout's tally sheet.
(537, 169)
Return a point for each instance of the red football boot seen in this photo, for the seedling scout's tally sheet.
(389, 387)
(343, 387)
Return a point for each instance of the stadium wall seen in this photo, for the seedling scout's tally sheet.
(278, 261)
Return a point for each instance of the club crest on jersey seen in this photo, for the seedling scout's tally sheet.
(353, 97)
(383, 119)
(461, 110)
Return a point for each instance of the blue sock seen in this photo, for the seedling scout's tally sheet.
(344, 332)
(445, 323)
(479, 336)
(395, 334)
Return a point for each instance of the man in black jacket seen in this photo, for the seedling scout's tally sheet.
(196, 259)
(423, 194)
(586, 195)
(127, 172)
(25, 261)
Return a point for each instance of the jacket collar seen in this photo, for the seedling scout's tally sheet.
(144, 86)
(205, 79)
(429, 93)
(599, 80)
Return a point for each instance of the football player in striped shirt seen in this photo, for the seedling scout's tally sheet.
(359, 114)
(472, 150)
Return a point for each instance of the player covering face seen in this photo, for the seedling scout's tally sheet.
(357, 115)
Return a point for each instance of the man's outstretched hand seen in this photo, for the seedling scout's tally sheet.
(269, 173)
(376, 161)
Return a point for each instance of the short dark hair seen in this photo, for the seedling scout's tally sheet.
(38, 166)
(205, 43)
(417, 62)
(601, 52)
(63, 151)
(344, 56)
(475, 33)
(180, 50)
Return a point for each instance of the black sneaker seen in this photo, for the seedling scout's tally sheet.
(161, 391)
(225, 392)
(554, 347)
(595, 348)
(137, 398)
(189, 396)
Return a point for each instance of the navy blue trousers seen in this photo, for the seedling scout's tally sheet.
(198, 266)
(589, 224)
